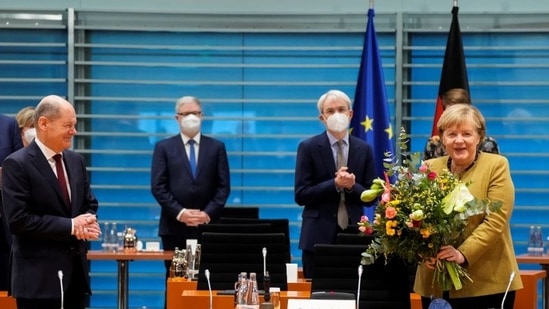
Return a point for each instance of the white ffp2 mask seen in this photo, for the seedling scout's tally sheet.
(29, 135)
(338, 122)
(190, 124)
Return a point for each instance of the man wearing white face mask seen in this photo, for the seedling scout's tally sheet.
(332, 170)
(189, 178)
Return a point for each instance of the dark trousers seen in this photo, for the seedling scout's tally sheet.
(479, 302)
(307, 259)
(74, 297)
(5, 246)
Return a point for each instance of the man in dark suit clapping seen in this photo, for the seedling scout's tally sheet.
(50, 210)
(189, 178)
(332, 170)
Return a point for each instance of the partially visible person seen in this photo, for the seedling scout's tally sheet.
(189, 193)
(51, 212)
(323, 183)
(434, 147)
(487, 249)
(10, 141)
(26, 124)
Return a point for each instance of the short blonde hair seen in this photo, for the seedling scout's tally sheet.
(25, 117)
(460, 114)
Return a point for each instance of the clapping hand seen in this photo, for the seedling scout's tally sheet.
(344, 179)
(86, 227)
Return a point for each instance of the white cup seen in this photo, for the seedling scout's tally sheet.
(152, 246)
(291, 272)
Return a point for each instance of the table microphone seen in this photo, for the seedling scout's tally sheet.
(60, 276)
(264, 251)
(358, 288)
(508, 287)
(207, 273)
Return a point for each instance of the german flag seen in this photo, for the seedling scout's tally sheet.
(454, 70)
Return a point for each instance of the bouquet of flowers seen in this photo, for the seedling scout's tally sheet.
(418, 214)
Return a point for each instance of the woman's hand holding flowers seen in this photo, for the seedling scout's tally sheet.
(451, 254)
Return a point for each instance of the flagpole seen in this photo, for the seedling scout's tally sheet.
(371, 4)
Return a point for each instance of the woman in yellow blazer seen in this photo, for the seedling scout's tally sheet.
(487, 250)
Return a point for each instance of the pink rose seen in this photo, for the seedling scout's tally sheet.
(423, 168)
(386, 197)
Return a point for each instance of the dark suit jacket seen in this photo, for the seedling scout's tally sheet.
(40, 221)
(10, 137)
(10, 141)
(315, 187)
(174, 188)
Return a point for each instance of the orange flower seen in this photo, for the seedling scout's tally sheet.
(390, 212)
(426, 232)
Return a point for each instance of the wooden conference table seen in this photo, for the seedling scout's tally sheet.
(201, 299)
(181, 292)
(543, 261)
(123, 259)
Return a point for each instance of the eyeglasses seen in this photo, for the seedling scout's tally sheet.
(197, 113)
(341, 109)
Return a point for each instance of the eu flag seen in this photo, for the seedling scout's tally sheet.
(371, 120)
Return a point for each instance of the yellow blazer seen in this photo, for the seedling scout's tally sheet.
(488, 247)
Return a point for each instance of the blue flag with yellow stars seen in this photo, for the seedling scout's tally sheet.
(371, 121)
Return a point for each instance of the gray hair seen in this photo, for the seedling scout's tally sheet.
(338, 94)
(186, 100)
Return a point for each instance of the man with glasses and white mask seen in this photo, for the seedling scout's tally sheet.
(189, 178)
(332, 170)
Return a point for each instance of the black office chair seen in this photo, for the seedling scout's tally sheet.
(278, 225)
(383, 286)
(226, 255)
(240, 212)
(254, 228)
(354, 239)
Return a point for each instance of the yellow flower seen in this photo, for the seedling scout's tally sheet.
(390, 227)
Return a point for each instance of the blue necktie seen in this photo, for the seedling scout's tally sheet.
(192, 157)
